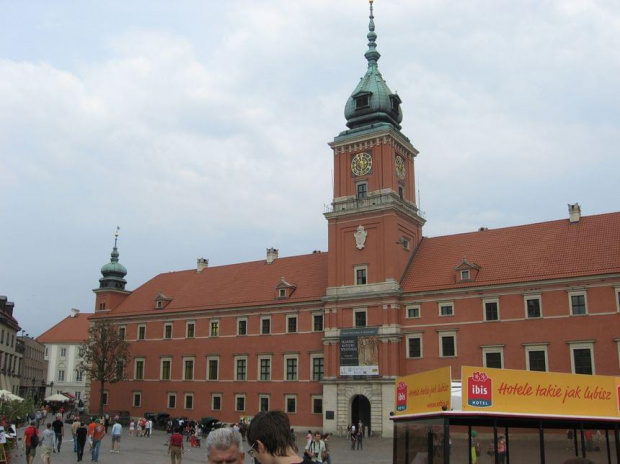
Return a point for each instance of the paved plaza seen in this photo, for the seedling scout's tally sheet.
(141, 450)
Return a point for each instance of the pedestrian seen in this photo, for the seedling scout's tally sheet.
(38, 417)
(59, 431)
(316, 448)
(175, 447)
(91, 430)
(224, 446)
(47, 444)
(327, 458)
(132, 426)
(270, 440)
(106, 423)
(31, 441)
(117, 429)
(360, 438)
(74, 427)
(98, 434)
(149, 428)
(353, 436)
(81, 433)
(501, 450)
(475, 447)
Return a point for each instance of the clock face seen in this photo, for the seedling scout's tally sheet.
(400, 167)
(361, 164)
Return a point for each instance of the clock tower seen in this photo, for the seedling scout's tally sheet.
(374, 222)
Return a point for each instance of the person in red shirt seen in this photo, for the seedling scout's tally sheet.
(175, 447)
(31, 451)
(98, 434)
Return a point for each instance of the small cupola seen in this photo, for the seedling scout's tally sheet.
(466, 271)
(284, 289)
(114, 272)
(161, 301)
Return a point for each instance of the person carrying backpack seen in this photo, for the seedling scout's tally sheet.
(31, 441)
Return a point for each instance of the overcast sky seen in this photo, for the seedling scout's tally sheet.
(201, 127)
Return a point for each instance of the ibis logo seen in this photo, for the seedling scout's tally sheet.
(479, 390)
(401, 396)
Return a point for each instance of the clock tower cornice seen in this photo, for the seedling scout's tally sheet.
(365, 141)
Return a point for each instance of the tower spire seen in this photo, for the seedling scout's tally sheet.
(372, 55)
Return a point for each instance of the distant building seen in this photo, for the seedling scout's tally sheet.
(10, 359)
(324, 335)
(33, 380)
(62, 352)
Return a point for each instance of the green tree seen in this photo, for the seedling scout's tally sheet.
(104, 355)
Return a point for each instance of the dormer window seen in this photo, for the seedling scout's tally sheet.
(395, 102)
(362, 101)
(465, 275)
(282, 293)
(161, 301)
(159, 304)
(284, 289)
(466, 271)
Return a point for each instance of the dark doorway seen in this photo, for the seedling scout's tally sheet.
(360, 410)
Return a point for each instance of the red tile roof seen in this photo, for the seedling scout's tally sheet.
(230, 286)
(69, 330)
(548, 250)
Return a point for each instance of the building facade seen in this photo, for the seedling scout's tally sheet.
(10, 353)
(33, 380)
(63, 355)
(323, 336)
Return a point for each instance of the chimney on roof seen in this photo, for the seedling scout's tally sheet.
(3, 300)
(202, 265)
(272, 255)
(574, 213)
(74, 312)
(8, 308)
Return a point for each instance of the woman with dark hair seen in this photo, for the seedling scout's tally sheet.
(270, 440)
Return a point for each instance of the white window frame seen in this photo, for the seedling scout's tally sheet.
(286, 398)
(245, 402)
(239, 320)
(209, 359)
(166, 325)
(135, 368)
(286, 358)
(136, 394)
(138, 332)
(171, 395)
(289, 317)
(105, 397)
(236, 360)
(526, 298)
(316, 397)
(61, 375)
(447, 333)
(585, 302)
(63, 350)
(282, 292)
(258, 376)
(465, 274)
(122, 329)
(484, 309)
(415, 336)
(441, 304)
(364, 268)
(193, 360)
(264, 397)
(617, 297)
(187, 325)
(312, 358)
(491, 350)
(536, 347)
(261, 325)
(322, 316)
(161, 368)
(579, 346)
(413, 307)
(213, 396)
(358, 311)
(185, 397)
(217, 322)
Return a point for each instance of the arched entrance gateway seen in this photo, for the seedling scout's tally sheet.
(360, 411)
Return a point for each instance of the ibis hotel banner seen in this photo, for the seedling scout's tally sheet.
(425, 392)
(359, 351)
(527, 392)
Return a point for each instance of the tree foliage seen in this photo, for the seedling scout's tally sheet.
(104, 355)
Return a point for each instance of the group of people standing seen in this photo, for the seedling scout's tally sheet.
(356, 433)
(317, 447)
(143, 427)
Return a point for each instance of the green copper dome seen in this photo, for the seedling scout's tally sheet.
(113, 272)
(372, 101)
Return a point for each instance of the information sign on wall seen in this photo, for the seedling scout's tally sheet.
(359, 351)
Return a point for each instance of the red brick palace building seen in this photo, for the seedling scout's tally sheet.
(323, 336)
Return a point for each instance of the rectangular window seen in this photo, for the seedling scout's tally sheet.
(618, 299)
(447, 344)
(493, 357)
(465, 275)
(578, 304)
(139, 372)
(216, 402)
(362, 190)
(189, 401)
(317, 322)
(105, 398)
(291, 404)
(360, 318)
(121, 332)
(446, 309)
(190, 331)
(291, 324)
(137, 399)
(536, 358)
(141, 332)
(282, 292)
(61, 375)
(414, 346)
(318, 368)
(79, 376)
(413, 312)
(215, 328)
(532, 307)
(188, 369)
(212, 368)
(167, 331)
(240, 403)
(582, 358)
(491, 311)
(120, 370)
(166, 365)
(265, 368)
(63, 352)
(172, 400)
(317, 405)
(360, 275)
(265, 325)
(291, 368)
(241, 365)
(263, 403)
(242, 326)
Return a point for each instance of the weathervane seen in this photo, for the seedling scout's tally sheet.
(116, 235)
